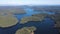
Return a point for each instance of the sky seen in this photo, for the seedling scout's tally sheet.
(29, 2)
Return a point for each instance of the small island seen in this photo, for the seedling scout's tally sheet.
(7, 21)
(34, 17)
(26, 30)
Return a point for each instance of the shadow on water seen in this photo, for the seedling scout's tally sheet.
(44, 27)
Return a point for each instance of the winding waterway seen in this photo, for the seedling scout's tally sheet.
(44, 27)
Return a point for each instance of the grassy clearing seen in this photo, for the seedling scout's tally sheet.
(8, 20)
(26, 30)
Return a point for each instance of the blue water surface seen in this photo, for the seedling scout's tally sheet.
(44, 27)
